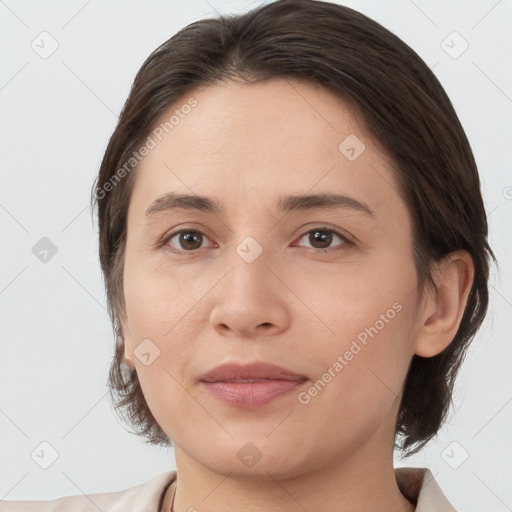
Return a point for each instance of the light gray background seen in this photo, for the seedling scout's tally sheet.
(57, 116)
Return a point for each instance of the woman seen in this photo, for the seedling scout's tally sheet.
(294, 246)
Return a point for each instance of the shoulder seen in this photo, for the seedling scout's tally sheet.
(145, 496)
(420, 486)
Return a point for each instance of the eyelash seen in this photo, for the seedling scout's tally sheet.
(344, 246)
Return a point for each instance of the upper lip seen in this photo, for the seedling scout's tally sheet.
(229, 372)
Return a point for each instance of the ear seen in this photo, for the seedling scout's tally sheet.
(442, 311)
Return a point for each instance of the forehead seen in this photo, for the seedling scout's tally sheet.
(263, 140)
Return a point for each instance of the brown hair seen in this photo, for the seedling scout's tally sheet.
(403, 106)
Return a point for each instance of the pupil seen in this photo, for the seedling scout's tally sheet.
(189, 239)
(323, 238)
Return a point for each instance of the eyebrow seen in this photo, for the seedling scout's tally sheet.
(288, 203)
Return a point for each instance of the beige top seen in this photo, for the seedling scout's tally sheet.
(417, 484)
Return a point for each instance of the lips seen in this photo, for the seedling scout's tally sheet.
(254, 372)
(251, 385)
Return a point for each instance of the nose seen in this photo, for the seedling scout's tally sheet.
(250, 300)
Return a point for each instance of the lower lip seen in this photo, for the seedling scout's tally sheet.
(251, 394)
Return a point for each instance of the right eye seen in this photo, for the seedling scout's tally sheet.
(188, 240)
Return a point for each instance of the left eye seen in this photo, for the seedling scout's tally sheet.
(321, 238)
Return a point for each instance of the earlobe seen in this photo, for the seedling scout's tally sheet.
(128, 356)
(443, 310)
(128, 360)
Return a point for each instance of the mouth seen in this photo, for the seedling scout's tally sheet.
(249, 386)
(256, 371)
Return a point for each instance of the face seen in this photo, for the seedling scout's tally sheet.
(326, 289)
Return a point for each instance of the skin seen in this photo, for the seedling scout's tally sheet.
(295, 306)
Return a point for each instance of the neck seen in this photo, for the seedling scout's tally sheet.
(363, 480)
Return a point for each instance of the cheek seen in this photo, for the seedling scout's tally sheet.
(366, 298)
(154, 301)
(372, 348)
(364, 354)
(159, 312)
(359, 379)
(163, 310)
